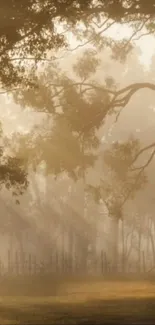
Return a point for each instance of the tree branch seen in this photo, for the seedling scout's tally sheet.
(142, 168)
(136, 87)
(152, 145)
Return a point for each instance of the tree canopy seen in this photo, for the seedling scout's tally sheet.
(29, 29)
(70, 141)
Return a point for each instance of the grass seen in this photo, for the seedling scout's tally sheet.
(39, 300)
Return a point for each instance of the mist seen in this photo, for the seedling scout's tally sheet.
(77, 160)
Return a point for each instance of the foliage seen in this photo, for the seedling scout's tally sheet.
(12, 174)
(75, 110)
(28, 29)
(86, 66)
(119, 183)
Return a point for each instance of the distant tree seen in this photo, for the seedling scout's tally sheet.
(13, 174)
(118, 185)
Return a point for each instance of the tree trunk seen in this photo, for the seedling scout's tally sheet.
(19, 237)
(114, 234)
(123, 248)
(11, 250)
(139, 248)
(153, 246)
(71, 249)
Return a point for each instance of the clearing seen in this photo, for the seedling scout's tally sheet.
(91, 301)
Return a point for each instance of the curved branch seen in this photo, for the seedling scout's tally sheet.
(115, 102)
(136, 86)
(152, 145)
(141, 170)
(146, 164)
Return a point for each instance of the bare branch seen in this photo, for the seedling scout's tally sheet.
(136, 87)
(84, 84)
(152, 145)
(89, 41)
(143, 35)
(147, 163)
(138, 175)
(100, 26)
(136, 32)
(130, 90)
(9, 91)
(35, 59)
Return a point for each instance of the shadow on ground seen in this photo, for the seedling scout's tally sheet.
(55, 300)
(122, 311)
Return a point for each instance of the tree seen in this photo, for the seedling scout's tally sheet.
(85, 105)
(13, 175)
(68, 105)
(28, 30)
(118, 185)
(76, 109)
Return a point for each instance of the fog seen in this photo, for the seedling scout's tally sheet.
(77, 161)
(57, 216)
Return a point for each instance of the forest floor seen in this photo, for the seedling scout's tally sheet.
(84, 301)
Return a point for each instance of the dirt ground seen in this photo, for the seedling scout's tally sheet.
(81, 302)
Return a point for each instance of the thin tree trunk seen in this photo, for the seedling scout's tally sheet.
(85, 244)
(139, 249)
(152, 241)
(129, 249)
(114, 243)
(123, 247)
(11, 246)
(144, 266)
(71, 249)
(19, 238)
(153, 247)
